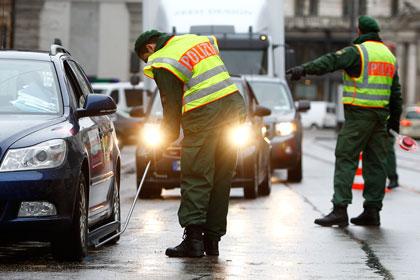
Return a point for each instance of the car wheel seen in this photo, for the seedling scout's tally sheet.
(116, 211)
(295, 174)
(72, 245)
(251, 188)
(265, 187)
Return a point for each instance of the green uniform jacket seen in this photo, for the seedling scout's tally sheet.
(210, 116)
(349, 59)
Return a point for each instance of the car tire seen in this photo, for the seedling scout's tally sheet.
(295, 174)
(251, 188)
(72, 245)
(264, 188)
(116, 212)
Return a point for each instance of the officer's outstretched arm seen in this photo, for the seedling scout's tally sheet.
(330, 62)
(171, 95)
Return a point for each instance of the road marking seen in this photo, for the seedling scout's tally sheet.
(373, 262)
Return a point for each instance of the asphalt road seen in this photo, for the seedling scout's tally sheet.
(268, 238)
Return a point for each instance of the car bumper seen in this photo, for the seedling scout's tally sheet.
(55, 186)
(285, 151)
(166, 171)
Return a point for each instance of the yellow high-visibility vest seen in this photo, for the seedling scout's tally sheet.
(373, 87)
(195, 61)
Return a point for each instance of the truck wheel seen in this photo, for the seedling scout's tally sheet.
(264, 188)
(295, 174)
(116, 211)
(150, 190)
(251, 188)
(72, 245)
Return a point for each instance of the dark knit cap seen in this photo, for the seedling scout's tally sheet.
(144, 38)
(368, 24)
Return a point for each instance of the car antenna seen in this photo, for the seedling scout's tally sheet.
(3, 27)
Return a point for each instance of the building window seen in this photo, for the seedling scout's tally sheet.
(299, 7)
(395, 7)
(350, 5)
(313, 7)
(362, 7)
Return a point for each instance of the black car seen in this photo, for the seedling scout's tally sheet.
(283, 126)
(253, 172)
(59, 159)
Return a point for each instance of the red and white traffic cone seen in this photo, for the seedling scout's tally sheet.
(358, 182)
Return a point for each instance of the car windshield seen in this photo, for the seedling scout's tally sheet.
(413, 115)
(28, 87)
(272, 95)
(255, 62)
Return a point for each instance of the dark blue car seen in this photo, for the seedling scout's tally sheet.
(59, 158)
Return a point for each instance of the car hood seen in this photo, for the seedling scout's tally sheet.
(280, 116)
(15, 127)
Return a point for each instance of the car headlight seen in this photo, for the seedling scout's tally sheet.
(241, 135)
(285, 128)
(152, 135)
(47, 154)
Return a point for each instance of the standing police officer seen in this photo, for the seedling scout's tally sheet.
(198, 93)
(372, 103)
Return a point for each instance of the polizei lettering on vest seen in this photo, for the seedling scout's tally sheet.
(381, 69)
(196, 54)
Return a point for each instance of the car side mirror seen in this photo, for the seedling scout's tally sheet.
(137, 112)
(303, 105)
(97, 105)
(262, 111)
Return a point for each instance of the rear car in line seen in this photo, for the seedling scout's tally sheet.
(410, 122)
(59, 160)
(253, 172)
(283, 126)
(128, 98)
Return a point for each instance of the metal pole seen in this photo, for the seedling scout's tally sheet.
(130, 212)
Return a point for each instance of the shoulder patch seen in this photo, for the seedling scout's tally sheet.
(340, 52)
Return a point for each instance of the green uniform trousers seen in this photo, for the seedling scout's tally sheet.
(208, 162)
(392, 161)
(367, 135)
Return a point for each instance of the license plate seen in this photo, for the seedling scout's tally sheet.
(176, 165)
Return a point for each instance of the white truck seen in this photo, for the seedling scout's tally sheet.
(250, 33)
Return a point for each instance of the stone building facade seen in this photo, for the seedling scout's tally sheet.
(99, 33)
(314, 27)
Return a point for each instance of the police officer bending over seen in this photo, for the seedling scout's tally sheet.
(372, 103)
(197, 93)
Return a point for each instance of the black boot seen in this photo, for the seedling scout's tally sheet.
(211, 246)
(338, 217)
(369, 217)
(192, 246)
(393, 183)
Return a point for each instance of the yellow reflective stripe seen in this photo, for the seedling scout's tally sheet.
(368, 86)
(207, 91)
(206, 75)
(174, 63)
(210, 98)
(360, 96)
(213, 41)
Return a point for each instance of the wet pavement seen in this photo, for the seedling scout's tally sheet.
(268, 238)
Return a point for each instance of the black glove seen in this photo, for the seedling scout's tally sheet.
(296, 72)
(394, 125)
